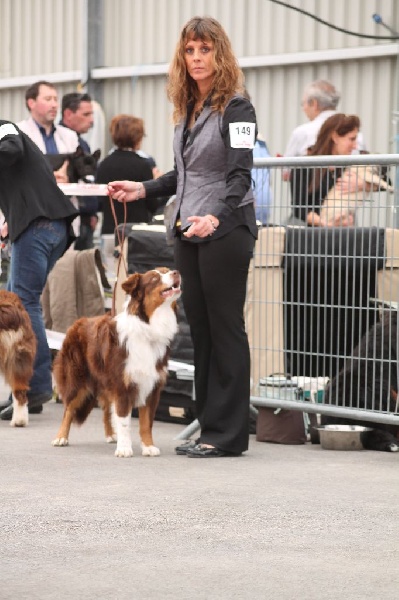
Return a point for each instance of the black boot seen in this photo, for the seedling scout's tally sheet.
(6, 411)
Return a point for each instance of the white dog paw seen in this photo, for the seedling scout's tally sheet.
(124, 452)
(19, 422)
(393, 448)
(111, 439)
(20, 415)
(150, 450)
(60, 442)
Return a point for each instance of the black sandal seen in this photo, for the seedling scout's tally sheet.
(184, 448)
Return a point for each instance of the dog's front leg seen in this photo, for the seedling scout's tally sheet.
(146, 420)
(123, 435)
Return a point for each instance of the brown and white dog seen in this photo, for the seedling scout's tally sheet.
(120, 362)
(17, 353)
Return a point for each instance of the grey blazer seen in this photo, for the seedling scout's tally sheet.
(201, 168)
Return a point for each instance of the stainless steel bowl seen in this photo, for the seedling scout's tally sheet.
(342, 437)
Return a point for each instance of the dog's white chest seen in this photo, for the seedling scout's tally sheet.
(146, 345)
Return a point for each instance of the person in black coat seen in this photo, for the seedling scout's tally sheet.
(38, 217)
(126, 162)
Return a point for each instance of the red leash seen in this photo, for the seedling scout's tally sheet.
(121, 239)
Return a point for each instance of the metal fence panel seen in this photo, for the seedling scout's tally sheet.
(322, 300)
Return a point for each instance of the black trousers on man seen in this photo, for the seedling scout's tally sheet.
(214, 275)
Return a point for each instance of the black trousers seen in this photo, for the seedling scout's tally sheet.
(214, 278)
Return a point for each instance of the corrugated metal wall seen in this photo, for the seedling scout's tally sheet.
(45, 37)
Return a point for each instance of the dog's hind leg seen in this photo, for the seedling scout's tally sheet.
(63, 433)
(20, 416)
(146, 420)
(71, 409)
(17, 372)
(108, 420)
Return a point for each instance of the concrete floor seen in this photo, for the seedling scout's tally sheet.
(279, 523)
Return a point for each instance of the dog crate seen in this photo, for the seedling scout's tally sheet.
(322, 301)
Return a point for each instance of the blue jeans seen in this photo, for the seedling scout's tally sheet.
(33, 255)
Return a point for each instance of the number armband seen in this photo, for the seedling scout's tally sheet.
(242, 135)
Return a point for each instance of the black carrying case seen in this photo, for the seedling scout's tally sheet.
(330, 274)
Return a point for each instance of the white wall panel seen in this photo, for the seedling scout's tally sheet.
(42, 37)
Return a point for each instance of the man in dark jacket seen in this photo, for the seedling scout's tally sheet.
(38, 217)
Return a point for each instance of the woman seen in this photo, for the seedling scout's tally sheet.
(310, 187)
(127, 134)
(214, 226)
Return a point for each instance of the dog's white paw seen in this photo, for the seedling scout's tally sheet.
(60, 442)
(393, 448)
(123, 452)
(111, 439)
(20, 415)
(150, 450)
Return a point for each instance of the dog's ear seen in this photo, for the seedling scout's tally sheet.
(132, 284)
(78, 152)
(96, 155)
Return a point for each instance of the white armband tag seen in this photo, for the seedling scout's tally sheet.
(7, 129)
(242, 135)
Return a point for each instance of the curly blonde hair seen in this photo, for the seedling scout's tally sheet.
(229, 79)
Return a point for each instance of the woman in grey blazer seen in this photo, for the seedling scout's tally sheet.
(214, 226)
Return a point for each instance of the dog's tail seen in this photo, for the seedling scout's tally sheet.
(83, 411)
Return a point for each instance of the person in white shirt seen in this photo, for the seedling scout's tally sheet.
(41, 100)
(319, 102)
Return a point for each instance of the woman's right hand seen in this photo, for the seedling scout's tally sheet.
(125, 191)
(342, 220)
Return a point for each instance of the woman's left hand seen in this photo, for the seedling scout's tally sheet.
(202, 226)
